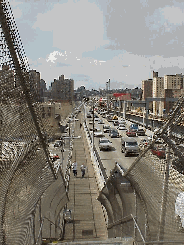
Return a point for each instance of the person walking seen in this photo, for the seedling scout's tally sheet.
(83, 170)
(74, 168)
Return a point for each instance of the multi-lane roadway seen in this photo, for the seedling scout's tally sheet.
(109, 157)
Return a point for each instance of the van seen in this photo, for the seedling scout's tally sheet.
(129, 146)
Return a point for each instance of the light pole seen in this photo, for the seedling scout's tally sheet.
(124, 109)
(143, 120)
(107, 97)
(62, 139)
(93, 125)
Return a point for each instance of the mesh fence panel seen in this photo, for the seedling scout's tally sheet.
(26, 170)
(157, 177)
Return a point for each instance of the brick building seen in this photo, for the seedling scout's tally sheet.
(147, 88)
(62, 89)
(171, 93)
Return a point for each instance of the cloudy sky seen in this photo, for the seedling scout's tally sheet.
(91, 41)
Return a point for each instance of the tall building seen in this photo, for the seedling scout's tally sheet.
(147, 88)
(43, 87)
(155, 74)
(173, 88)
(158, 91)
(173, 81)
(62, 89)
(35, 82)
(171, 93)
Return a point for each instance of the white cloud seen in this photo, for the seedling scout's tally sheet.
(127, 68)
(75, 26)
(173, 15)
(53, 56)
(167, 18)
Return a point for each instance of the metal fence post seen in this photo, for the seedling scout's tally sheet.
(165, 192)
(135, 214)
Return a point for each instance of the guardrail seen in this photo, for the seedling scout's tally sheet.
(125, 220)
(97, 163)
(129, 217)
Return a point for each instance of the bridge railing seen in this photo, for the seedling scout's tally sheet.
(97, 163)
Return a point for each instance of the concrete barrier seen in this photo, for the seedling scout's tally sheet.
(94, 160)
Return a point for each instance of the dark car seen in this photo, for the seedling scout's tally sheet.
(141, 132)
(134, 127)
(109, 118)
(113, 133)
(116, 122)
(58, 143)
(95, 129)
(89, 116)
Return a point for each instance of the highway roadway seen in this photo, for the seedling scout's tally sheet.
(109, 158)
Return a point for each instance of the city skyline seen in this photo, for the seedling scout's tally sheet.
(91, 41)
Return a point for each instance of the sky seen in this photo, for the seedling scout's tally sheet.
(91, 41)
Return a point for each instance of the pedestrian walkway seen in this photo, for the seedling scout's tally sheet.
(88, 222)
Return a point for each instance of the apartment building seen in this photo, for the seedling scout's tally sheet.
(62, 89)
(34, 77)
(158, 92)
(171, 93)
(173, 81)
(147, 88)
(173, 88)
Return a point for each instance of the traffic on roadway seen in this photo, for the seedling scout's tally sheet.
(115, 138)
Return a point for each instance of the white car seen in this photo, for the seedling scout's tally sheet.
(98, 133)
(122, 121)
(105, 144)
(121, 127)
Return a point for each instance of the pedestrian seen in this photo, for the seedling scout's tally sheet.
(80, 125)
(83, 170)
(74, 168)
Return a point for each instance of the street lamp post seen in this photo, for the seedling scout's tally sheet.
(107, 97)
(107, 92)
(93, 125)
(62, 139)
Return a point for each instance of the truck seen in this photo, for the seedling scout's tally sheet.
(129, 146)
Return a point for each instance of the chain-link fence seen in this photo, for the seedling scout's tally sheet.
(26, 169)
(150, 194)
